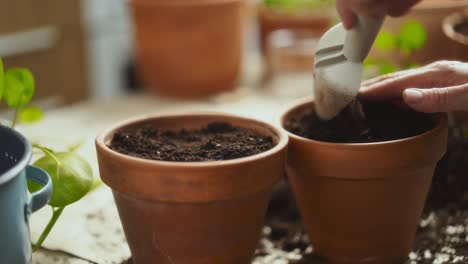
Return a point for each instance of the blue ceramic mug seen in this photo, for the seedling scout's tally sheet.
(16, 204)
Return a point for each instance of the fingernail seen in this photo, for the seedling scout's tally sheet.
(413, 96)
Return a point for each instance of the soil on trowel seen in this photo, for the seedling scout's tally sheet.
(382, 122)
(462, 28)
(216, 141)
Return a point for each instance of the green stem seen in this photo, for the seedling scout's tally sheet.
(15, 119)
(55, 216)
(47, 152)
(50, 153)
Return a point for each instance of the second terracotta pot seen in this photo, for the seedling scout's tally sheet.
(459, 39)
(192, 212)
(188, 49)
(361, 203)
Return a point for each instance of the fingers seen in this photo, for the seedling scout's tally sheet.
(391, 86)
(347, 16)
(434, 100)
(347, 9)
(381, 78)
(401, 8)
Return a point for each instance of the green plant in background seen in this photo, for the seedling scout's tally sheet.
(411, 37)
(72, 176)
(297, 5)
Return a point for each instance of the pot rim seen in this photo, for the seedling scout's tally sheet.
(15, 171)
(172, 3)
(452, 20)
(282, 143)
(439, 126)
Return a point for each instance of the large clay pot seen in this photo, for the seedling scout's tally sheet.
(188, 49)
(430, 13)
(192, 212)
(361, 203)
(459, 40)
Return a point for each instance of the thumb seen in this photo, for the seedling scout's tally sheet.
(437, 99)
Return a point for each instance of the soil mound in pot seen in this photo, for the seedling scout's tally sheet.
(462, 28)
(383, 122)
(216, 141)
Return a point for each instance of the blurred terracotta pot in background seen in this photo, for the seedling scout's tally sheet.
(430, 13)
(187, 48)
(192, 212)
(361, 203)
(456, 29)
(271, 20)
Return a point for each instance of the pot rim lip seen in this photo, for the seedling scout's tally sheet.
(282, 143)
(439, 126)
(16, 170)
(451, 21)
(146, 3)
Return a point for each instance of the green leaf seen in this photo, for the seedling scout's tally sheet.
(31, 114)
(368, 63)
(412, 65)
(386, 67)
(19, 87)
(297, 5)
(2, 79)
(72, 180)
(385, 41)
(412, 37)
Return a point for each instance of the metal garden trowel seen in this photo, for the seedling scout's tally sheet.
(338, 65)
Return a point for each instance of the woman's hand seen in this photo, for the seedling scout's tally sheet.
(438, 87)
(349, 9)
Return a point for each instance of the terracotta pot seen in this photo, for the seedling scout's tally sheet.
(430, 13)
(459, 40)
(188, 49)
(361, 203)
(270, 20)
(192, 212)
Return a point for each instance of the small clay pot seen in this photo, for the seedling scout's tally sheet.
(361, 203)
(192, 212)
(460, 40)
(188, 49)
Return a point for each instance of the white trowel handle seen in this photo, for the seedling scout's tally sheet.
(360, 38)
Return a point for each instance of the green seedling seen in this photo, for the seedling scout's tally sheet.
(411, 37)
(294, 6)
(72, 176)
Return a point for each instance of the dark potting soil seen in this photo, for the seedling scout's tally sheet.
(383, 122)
(216, 141)
(462, 28)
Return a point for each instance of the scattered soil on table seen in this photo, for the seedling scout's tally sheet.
(462, 28)
(382, 122)
(216, 141)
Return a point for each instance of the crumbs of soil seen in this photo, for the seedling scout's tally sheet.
(216, 141)
(462, 28)
(383, 122)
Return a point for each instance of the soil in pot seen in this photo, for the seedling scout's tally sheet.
(462, 28)
(216, 141)
(383, 122)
